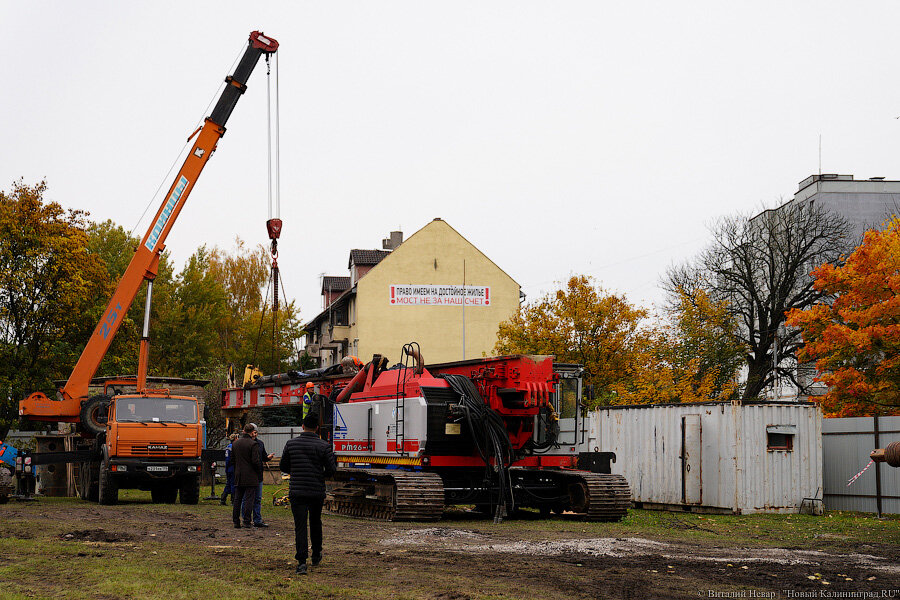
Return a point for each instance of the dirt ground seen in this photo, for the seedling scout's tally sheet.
(468, 556)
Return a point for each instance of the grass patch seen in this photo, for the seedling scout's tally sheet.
(63, 547)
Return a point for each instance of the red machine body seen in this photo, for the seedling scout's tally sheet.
(410, 440)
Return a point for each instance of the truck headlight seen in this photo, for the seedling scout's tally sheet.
(123, 468)
(192, 469)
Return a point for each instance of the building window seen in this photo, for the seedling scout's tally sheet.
(339, 317)
(780, 437)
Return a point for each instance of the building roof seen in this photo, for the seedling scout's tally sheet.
(440, 222)
(335, 283)
(366, 257)
(336, 303)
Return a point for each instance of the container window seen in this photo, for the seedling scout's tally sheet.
(779, 441)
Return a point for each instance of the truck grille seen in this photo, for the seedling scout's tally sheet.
(144, 450)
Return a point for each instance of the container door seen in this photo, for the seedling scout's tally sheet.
(692, 483)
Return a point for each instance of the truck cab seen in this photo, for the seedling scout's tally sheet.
(152, 443)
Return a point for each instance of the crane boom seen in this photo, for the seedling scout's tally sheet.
(145, 261)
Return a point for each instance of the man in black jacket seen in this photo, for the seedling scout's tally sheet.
(308, 459)
(248, 472)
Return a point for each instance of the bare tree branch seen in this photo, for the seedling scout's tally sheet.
(761, 266)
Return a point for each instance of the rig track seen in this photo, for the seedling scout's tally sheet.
(599, 497)
(386, 494)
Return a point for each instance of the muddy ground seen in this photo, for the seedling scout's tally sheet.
(468, 556)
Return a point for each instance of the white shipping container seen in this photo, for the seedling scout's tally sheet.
(716, 456)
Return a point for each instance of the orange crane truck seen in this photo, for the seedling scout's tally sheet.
(149, 439)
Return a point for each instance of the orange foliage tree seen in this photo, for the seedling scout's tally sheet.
(581, 324)
(855, 340)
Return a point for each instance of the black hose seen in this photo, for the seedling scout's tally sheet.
(490, 436)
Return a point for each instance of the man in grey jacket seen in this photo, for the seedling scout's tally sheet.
(308, 459)
(248, 472)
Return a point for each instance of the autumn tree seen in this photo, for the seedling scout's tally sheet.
(761, 268)
(855, 338)
(115, 247)
(692, 356)
(186, 328)
(48, 281)
(253, 333)
(580, 324)
(244, 275)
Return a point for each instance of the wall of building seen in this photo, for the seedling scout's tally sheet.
(866, 204)
(436, 255)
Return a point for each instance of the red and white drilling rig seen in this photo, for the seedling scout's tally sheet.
(499, 433)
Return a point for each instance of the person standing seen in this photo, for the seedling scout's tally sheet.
(308, 460)
(257, 501)
(247, 475)
(229, 471)
(308, 397)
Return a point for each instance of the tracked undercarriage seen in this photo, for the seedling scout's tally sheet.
(397, 495)
(386, 494)
(599, 497)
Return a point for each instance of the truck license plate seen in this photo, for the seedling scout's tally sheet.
(157, 468)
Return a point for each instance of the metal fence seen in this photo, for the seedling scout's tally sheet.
(846, 444)
(276, 437)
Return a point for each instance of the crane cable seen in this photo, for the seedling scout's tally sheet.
(274, 279)
(273, 224)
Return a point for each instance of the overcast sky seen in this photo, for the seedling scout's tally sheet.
(558, 137)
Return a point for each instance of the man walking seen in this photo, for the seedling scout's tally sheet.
(247, 475)
(308, 459)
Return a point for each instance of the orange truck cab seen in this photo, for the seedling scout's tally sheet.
(152, 443)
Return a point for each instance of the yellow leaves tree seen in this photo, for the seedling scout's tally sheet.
(253, 333)
(581, 324)
(694, 357)
(48, 282)
(855, 339)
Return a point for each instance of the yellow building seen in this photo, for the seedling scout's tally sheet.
(435, 288)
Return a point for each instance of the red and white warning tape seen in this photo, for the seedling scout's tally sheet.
(855, 477)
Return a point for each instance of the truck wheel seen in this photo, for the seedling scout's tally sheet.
(94, 414)
(190, 490)
(88, 486)
(109, 491)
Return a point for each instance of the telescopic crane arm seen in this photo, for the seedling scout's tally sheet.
(144, 263)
